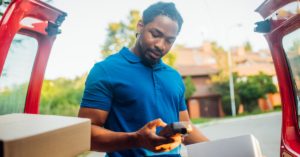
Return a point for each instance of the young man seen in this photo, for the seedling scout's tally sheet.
(130, 94)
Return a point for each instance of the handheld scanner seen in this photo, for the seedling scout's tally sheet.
(183, 128)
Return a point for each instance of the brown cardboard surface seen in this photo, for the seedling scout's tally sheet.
(239, 146)
(31, 135)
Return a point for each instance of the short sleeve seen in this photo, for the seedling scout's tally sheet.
(182, 105)
(98, 90)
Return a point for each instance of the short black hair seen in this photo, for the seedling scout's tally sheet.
(162, 8)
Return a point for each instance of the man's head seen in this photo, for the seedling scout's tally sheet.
(157, 31)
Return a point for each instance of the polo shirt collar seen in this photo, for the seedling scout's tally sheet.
(130, 56)
(159, 65)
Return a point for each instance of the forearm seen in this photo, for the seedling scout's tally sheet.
(104, 140)
(195, 137)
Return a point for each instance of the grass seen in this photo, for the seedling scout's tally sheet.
(84, 154)
(256, 111)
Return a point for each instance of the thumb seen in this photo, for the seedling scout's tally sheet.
(156, 123)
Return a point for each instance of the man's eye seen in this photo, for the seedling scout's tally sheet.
(170, 41)
(154, 35)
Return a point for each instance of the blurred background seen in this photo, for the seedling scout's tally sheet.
(94, 30)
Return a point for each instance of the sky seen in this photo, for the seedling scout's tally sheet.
(84, 30)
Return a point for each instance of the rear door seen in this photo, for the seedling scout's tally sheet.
(284, 41)
(28, 29)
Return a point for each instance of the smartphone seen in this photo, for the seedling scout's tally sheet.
(183, 128)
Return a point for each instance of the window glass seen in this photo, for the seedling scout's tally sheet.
(291, 46)
(16, 73)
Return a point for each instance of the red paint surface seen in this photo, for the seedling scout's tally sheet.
(268, 7)
(10, 25)
(290, 135)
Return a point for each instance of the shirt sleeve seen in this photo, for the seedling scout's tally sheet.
(182, 105)
(98, 91)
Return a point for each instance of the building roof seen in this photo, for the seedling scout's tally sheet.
(196, 62)
(198, 70)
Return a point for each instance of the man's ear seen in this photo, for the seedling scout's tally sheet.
(140, 26)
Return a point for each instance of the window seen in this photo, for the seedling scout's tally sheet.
(291, 45)
(16, 73)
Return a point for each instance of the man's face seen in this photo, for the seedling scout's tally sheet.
(156, 39)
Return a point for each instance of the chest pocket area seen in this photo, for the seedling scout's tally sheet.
(134, 89)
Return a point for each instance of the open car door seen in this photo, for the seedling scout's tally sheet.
(28, 29)
(282, 28)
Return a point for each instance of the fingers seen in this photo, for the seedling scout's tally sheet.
(156, 123)
(169, 146)
(159, 140)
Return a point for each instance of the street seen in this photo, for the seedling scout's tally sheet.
(265, 127)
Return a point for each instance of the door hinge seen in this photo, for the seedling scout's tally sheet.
(262, 27)
(52, 28)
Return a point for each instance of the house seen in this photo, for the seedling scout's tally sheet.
(200, 63)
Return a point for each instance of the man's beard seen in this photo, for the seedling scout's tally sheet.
(145, 60)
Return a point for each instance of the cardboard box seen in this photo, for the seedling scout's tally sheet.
(239, 146)
(32, 135)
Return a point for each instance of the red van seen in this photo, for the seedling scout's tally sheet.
(34, 24)
(282, 32)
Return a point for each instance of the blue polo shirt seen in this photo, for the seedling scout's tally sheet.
(134, 94)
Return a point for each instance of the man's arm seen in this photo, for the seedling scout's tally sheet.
(196, 136)
(104, 140)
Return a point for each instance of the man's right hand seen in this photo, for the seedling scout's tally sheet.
(146, 138)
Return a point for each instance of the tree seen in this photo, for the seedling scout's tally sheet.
(3, 6)
(62, 96)
(221, 87)
(170, 58)
(249, 92)
(189, 87)
(256, 86)
(121, 34)
(248, 46)
(221, 57)
(179, 46)
(265, 82)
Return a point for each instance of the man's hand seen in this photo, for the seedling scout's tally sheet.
(146, 138)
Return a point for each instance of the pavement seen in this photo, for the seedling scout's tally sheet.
(265, 127)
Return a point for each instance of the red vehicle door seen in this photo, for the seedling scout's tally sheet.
(282, 25)
(28, 29)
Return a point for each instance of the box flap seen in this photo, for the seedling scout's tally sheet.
(16, 126)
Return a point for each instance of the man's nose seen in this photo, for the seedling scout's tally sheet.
(160, 45)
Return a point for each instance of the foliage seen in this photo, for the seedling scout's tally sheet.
(12, 99)
(58, 97)
(201, 120)
(226, 103)
(247, 92)
(248, 46)
(179, 46)
(170, 58)
(121, 34)
(221, 87)
(3, 6)
(250, 91)
(62, 96)
(221, 57)
(189, 87)
(296, 45)
(255, 87)
(265, 82)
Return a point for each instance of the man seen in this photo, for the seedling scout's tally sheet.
(130, 94)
